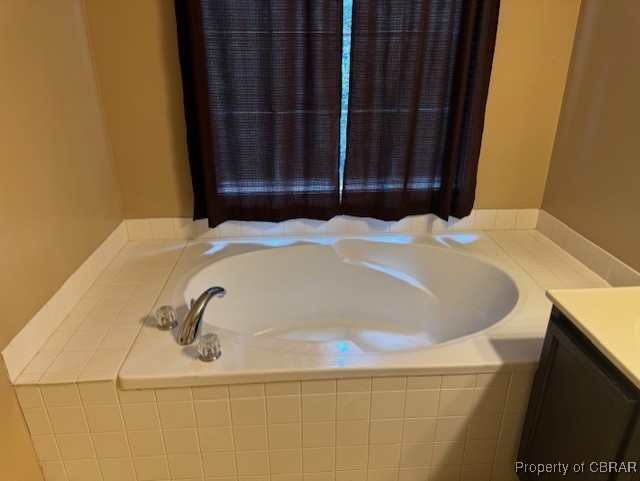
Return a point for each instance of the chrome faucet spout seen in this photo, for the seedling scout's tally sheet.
(191, 324)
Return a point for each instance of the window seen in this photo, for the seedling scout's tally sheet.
(312, 109)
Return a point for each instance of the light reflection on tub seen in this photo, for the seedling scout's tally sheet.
(345, 297)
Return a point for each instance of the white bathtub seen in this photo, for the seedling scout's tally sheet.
(337, 307)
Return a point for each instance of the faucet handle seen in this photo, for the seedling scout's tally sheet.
(209, 347)
(166, 318)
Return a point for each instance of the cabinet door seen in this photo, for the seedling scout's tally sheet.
(579, 410)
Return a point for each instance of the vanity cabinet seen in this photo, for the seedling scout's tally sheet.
(582, 410)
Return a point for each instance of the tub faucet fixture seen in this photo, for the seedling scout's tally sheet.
(191, 324)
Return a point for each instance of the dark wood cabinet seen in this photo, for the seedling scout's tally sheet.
(582, 410)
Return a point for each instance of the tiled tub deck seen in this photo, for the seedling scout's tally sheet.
(377, 429)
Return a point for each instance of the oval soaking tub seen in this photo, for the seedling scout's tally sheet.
(353, 295)
(338, 307)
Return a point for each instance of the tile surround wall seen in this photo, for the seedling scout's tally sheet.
(463, 427)
(83, 429)
(180, 228)
(597, 259)
(36, 333)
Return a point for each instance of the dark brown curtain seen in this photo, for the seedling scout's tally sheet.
(419, 79)
(261, 81)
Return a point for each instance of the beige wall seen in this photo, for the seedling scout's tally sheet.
(136, 53)
(135, 49)
(58, 192)
(594, 179)
(530, 65)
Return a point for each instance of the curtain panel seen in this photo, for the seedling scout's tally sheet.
(262, 86)
(418, 88)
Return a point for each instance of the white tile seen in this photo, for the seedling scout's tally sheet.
(83, 470)
(455, 402)
(37, 421)
(230, 228)
(294, 227)
(58, 308)
(138, 417)
(54, 471)
(105, 418)
(29, 397)
(151, 468)
(352, 433)
(619, 273)
(216, 440)
(601, 262)
(69, 361)
(464, 224)
(447, 453)
(39, 363)
(377, 226)
(350, 458)
(46, 448)
(545, 223)
(68, 420)
(458, 381)
(387, 404)
(452, 428)
(506, 219)
(318, 407)
(146, 443)
(338, 225)
(353, 406)
(183, 228)
(354, 385)
(251, 229)
(213, 413)
(248, 411)
(273, 229)
(106, 359)
(209, 392)
(283, 409)
(559, 233)
(318, 435)
(314, 227)
(385, 431)
(419, 430)
(418, 223)
(440, 225)
(384, 456)
(75, 446)
(527, 218)
(57, 341)
(250, 438)
(284, 436)
(219, 464)
(285, 461)
(183, 466)
(24, 346)
(282, 388)
(318, 387)
(181, 441)
(252, 463)
(246, 390)
(485, 219)
(117, 469)
(60, 395)
(315, 460)
(111, 445)
(175, 415)
(421, 403)
(401, 226)
(42, 327)
(138, 228)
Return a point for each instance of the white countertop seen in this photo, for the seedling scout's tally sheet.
(610, 318)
